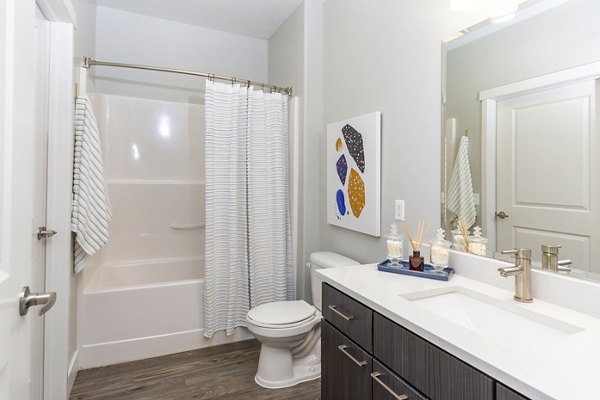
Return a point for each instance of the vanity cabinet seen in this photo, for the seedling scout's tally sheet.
(367, 356)
(434, 372)
(504, 393)
(346, 366)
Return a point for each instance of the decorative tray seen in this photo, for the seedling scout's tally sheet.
(428, 273)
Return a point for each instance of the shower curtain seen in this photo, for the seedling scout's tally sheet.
(248, 235)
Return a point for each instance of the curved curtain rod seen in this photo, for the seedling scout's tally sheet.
(90, 62)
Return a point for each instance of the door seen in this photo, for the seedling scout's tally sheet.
(20, 336)
(547, 155)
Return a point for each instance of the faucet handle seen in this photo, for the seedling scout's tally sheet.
(565, 266)
(551, 248)
(519, 253)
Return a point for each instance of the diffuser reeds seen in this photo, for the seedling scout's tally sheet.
(420, 236)
(463, 228)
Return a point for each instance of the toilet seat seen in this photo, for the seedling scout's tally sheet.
(282, 314)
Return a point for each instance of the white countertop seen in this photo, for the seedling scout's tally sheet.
(562, 369)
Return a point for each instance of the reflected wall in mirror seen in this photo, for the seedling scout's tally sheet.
(526, 94)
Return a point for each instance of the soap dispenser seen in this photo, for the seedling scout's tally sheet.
(394, 246)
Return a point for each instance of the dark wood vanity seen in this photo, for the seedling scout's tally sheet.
(367, 356)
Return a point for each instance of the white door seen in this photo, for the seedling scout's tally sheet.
(21, 255)
(547, 173)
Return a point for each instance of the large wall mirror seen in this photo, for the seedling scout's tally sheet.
(522, 99)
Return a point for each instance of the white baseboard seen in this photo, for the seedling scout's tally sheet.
(102, 354)
(72, 371)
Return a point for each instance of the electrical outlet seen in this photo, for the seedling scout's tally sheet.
(400, 210)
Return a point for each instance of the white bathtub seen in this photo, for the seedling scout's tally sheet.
(139, 310)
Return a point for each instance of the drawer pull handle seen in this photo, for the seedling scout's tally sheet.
(333, 308)
(376, 375)
(343, 347)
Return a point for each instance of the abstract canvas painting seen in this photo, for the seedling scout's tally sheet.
(354, 173)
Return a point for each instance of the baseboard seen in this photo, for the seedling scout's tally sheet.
(72, 371)
(102, 354)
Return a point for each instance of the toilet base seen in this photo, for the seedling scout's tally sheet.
(278, 369)
(301, 374)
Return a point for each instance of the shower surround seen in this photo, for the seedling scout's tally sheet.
(141, 296)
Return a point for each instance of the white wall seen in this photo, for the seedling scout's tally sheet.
(122, 36)
(84, 44)
(85, 31)
(386, 56)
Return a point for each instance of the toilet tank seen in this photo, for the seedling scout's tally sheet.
(324, 259)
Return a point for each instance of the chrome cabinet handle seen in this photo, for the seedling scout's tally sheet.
(343, 347)
(28, 299)
(333, 308)
(376, 375)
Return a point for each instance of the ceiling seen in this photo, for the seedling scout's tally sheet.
(256, 18)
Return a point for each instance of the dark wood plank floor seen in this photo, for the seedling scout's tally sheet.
(221, 372)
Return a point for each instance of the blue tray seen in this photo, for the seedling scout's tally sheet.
(428, 273)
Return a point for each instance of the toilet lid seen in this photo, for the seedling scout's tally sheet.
(282, 312)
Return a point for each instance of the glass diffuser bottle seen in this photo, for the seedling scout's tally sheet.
(416, 262)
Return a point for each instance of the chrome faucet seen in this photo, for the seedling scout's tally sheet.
(550, 259)
(522, 273)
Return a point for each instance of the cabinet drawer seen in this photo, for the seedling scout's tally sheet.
(384, 379)
(349, 316)
(504, 393)
(345, 367)
(432, 371)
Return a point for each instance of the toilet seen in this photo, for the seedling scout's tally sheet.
(290, 331)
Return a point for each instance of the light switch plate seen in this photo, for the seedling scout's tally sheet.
(400, 210)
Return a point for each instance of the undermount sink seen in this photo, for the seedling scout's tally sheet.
(491, 317)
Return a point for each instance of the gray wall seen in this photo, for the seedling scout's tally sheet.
(286, 68)
(296, 58)
(561, 38)
(386, 56)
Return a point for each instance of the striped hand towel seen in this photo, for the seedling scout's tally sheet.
(91, 208)
(460, 199)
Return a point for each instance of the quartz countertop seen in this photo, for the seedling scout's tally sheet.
(565, 368)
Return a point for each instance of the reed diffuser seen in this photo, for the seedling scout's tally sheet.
(463, 229)
(416, 262)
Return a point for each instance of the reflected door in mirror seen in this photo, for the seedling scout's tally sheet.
(545, 165)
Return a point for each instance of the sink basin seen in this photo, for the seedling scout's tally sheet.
(491, 317)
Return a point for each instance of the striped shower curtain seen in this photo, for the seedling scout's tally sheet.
(248, 235)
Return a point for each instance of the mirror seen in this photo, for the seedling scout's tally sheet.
(525, 93)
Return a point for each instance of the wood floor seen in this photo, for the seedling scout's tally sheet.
(221, 372)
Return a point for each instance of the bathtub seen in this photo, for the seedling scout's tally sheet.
(136, 310)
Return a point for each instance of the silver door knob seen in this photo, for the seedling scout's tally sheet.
(501, 214)
(28, 299)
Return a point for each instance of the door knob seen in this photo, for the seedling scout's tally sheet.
(501, 214)
(28, 299)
